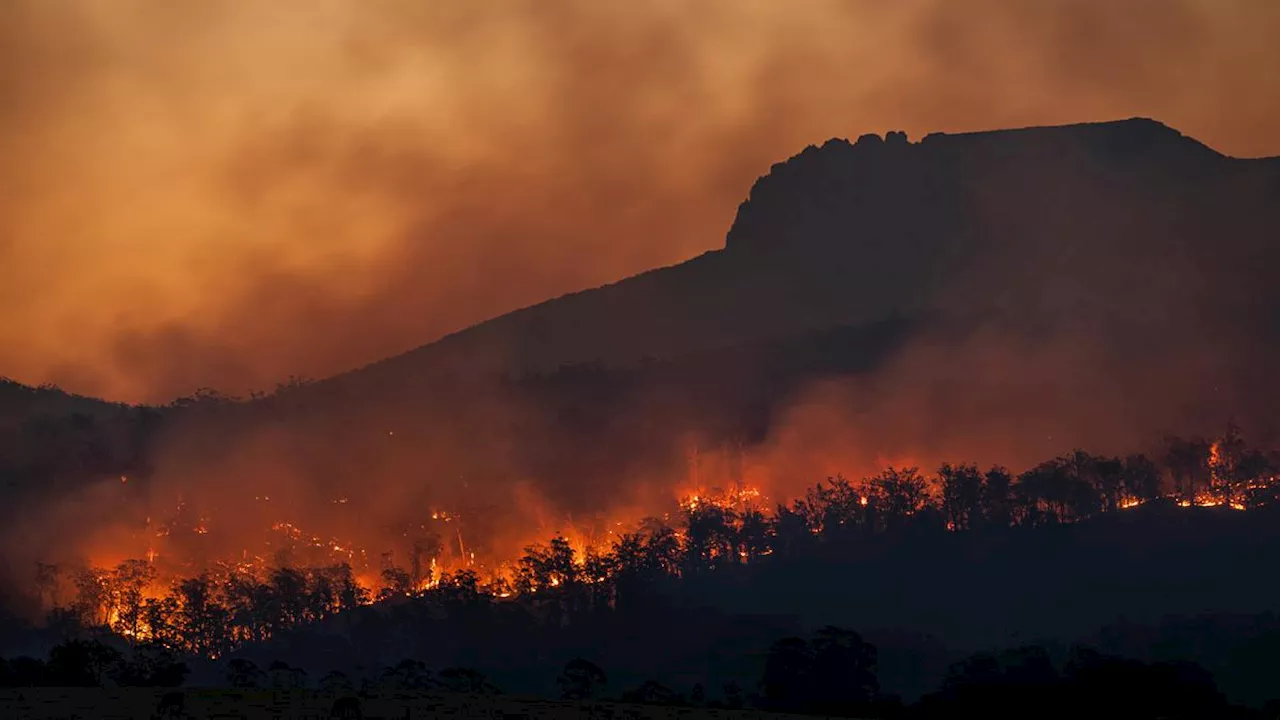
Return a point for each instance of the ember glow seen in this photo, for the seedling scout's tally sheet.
(224, 196)
(142, 586)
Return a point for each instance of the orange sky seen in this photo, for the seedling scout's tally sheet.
(224, 193)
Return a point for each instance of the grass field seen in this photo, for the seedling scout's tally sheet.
(142, 703)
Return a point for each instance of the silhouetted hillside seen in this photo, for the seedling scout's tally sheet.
(1000, 297)
(51, 440)
(1090, 285)
(1128, 222)
(20, 402)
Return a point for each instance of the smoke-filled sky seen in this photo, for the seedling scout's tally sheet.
(224, 193)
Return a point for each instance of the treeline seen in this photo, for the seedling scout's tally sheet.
(206, 615)
(832, 673)
(711, 537)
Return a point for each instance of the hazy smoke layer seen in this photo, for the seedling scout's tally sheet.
(224, 193)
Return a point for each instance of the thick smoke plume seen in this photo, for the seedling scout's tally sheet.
(224, 194)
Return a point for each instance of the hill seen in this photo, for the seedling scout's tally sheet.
(1088, 285)
(993, 297)
(1126, 228)
(1091, 285)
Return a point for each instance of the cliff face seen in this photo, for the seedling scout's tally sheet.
(1057, 220)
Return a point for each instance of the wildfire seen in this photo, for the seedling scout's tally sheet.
(738, 499)
(1206, 500)
(425, 550)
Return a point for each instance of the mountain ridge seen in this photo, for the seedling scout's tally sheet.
(766, 281)
(772, 242)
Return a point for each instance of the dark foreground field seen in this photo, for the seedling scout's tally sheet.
(139, 703)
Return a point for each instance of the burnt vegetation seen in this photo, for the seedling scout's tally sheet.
(730, 571)
(977, 293)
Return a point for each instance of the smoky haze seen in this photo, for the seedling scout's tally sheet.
(225, 194)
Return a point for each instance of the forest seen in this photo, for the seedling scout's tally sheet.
(111, 625)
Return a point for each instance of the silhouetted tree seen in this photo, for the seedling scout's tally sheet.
(92, 597)
(1128, 688)
(466, 680)
(171, 705)
(337, 590)
(997, 498)
(1018, 683)
(287, 605)
(661, 548)
(834, 508)
(961, 495)
(788, 672)
(395, 582)
(710, 537)
(346, 708)
(792, 533)
(650, 692)
(82, 663)
(897, 495)
(127, 584)
(284, 676)
(1141, 478)
(47, 578)
(244, 674)
(335, 681)
(408, 675)
(248, 604)
(580, 680)
(1059, 490)
(202, 620)
(547, 566)
(152, 665)
(1105, 475)
(24, 672)
(733, 698)
(843, 671)
(974, 686)
(1187, 462)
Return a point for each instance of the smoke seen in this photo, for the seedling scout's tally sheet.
(999, 398)
(225, 194)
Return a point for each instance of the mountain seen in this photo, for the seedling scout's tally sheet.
(1127, 221)
(994, 297)
(1094, 285)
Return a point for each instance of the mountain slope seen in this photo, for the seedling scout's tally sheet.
(1035, 291)
(989, 297)
(1128, 221)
